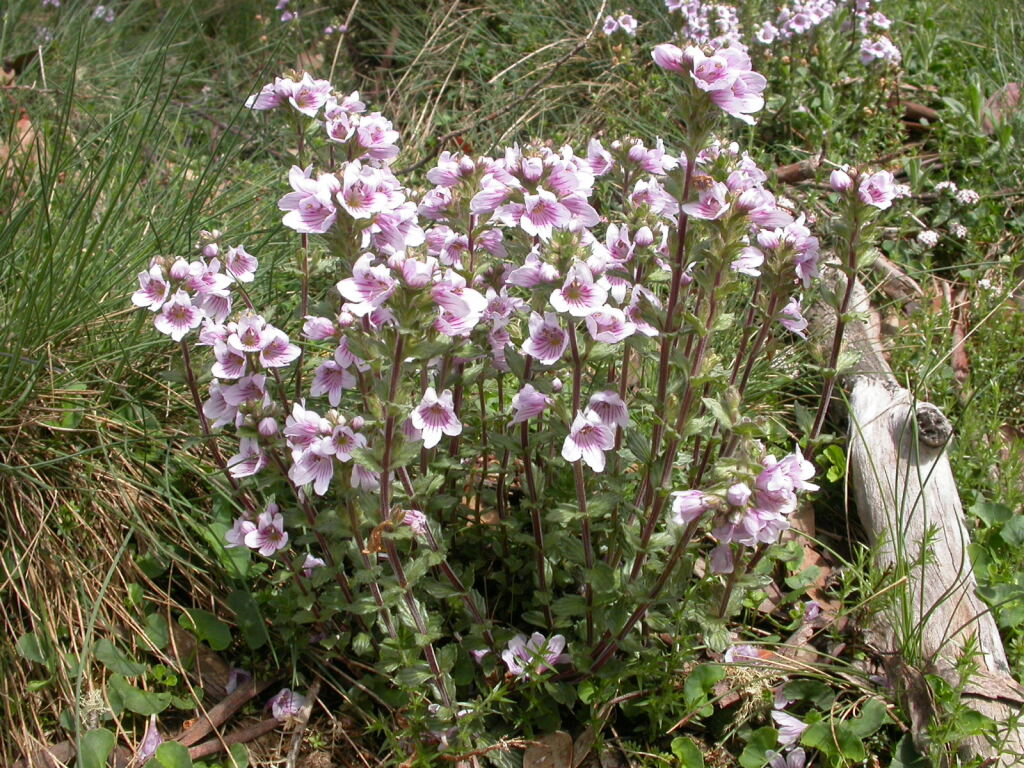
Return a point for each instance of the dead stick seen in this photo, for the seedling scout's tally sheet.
(301, 720)
(241, 736)
(219, 714)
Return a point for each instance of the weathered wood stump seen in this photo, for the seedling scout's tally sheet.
(908, 503)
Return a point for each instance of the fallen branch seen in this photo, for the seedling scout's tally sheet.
(241, 736)
(909, 505)
(222, 712)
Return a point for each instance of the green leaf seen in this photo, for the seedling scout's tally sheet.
(123, 695)
(970, 722)
(688, 753)
(760, 741)
(819, 736)
(835, 739)
(29, 648)
(157, 630)
(171, 754)
(850, 744)
(516, 363)
(639, 445)
(96, 747)
(813, 691)
(872, 716)
(568, 606)
(721, 415)
(991, 513)
(699, 684)
(240, 755)
(115, 660)
(1013, 531)
(835, 459)
(250, 620)
(207, 627)
(365, 457)
(906, 755)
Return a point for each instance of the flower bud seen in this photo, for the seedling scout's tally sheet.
(738, 495)
(643, 237)
(556, 386)
(687, 506)
(267, 427)
(840, 181)
(179, 270)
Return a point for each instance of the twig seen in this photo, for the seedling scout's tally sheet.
(241, 736)
(217, 715)
(301, 721)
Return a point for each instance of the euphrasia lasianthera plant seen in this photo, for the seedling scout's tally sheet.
(493, 389)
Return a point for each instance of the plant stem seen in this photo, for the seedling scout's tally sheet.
(668, 333)
(737, 572)
(588, 547)
(303, 311)
(837, 339)
(581, 487)
(417, 617)
(535, 520)
(689, 395)
(445, 568)
(375, 590)
(389, 430)
(204, 424)
(603, 652)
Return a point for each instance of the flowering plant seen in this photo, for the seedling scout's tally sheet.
(516, 402)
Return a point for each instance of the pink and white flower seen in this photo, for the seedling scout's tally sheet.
(153, 289)
(331, 379)
(231, 363)
(588, 439)
(315, 466)
(541, 213)
(277, 351)
(269, 535)
(369, 287)
(308, 95)
(579, 295)
(548, 340)
(310, 564)
(240, 264)
(435, 416)
(711, 203)
(249, 460)
(236, 536)
(376, 135)
(303, 428)
(532, 273)
(536, 655)
(286, 704)
(688, 506)
(528, 403)
(178, 316)
(609, 325)
(310, 208)
(878, 189)
(610, 408)
(748, 262)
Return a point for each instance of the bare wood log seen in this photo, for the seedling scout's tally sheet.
(241, 736)
(909, 505)
(219, 714)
